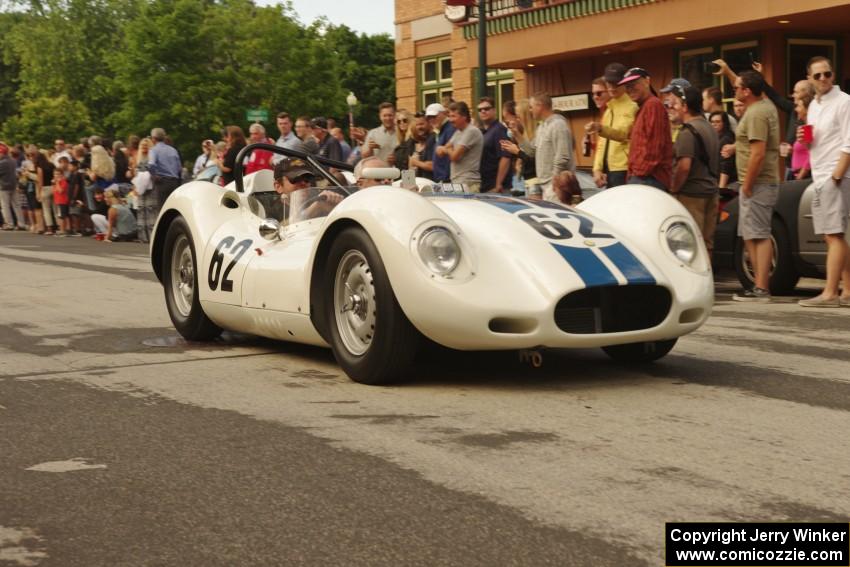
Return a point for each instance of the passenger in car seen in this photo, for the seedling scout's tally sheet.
(369, 163)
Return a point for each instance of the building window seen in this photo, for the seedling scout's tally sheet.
(434, 79)
(692, 66)
(500, 85)
(800, 50)
(739, 57)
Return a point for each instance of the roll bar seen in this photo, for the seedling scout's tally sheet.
(320, 164)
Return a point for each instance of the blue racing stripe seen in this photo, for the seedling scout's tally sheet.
(632, 268)
(589, 268)
(507, 204)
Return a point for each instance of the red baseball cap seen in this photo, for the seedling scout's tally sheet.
(4, 149)
(634, 74)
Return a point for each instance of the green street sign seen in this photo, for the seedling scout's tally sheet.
(257, 115)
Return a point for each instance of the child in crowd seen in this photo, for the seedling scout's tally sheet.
(60, 199)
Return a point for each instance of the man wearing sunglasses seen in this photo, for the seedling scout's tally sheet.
(829, 142)
(495, 162)
(611, 161)
(697, 151)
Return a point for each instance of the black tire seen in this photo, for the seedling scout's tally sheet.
(784, 275)
(359, 299)
(640, 352)
(184, 308)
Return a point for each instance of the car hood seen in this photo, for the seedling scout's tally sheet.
(548, 245)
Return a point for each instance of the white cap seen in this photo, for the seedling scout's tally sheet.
(434, 109)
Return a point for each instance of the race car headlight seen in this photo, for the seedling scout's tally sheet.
(682, 242)
(439, 250)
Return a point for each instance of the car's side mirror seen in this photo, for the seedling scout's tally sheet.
(270, 229)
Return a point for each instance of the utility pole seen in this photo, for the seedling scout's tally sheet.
(482, 48)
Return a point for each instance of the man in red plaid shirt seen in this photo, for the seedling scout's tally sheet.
(650, 143)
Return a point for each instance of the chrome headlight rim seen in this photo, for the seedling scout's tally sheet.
(682, 242)
(439, 236)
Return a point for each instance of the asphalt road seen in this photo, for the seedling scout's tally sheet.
(123, 445)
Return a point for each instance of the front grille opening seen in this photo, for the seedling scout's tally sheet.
(513, 325)
(691, 315)
(613, 309)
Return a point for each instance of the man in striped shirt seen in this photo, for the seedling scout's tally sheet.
(650, 143)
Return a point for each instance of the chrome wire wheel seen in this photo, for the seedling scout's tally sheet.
(355, 308)
(182, 276)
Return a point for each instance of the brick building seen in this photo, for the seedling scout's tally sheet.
(559, 46)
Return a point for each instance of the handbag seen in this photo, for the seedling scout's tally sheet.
(142, 182)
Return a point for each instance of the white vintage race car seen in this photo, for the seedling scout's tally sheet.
(385, 267)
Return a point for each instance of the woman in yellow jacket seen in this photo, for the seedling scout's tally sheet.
(611, 161)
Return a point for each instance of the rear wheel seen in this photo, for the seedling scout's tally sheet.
(180, 278)
(371, 338)
(640, 352)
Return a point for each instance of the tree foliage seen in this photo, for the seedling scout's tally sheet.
(367, 68)
(43, 119)
(190, 66)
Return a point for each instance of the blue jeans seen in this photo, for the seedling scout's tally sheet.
(616, 178)
(647, 180)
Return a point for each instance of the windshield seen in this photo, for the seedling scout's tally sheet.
(299, 205)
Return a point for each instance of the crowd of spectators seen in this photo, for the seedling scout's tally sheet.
(680, 140)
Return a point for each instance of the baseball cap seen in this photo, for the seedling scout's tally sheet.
(634, 74)
(677, 82)
(434, 109)
(614, 73)
(319, 122)
(292, 169)
(4, 149)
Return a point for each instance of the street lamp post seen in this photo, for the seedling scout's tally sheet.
(482, 48)
(351, 100)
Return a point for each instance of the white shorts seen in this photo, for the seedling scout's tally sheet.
(831, 207)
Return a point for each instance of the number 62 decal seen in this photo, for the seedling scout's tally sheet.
(218, 262)
(555, 230)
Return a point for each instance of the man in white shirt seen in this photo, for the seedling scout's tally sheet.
(61, 151)
(381, 141)
(829, 121)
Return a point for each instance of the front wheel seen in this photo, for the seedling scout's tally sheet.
(640, 352)
(371, 338)
(180, 279)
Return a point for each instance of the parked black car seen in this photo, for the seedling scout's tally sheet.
(797, 251)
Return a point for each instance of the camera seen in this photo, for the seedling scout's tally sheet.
(710, 67)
